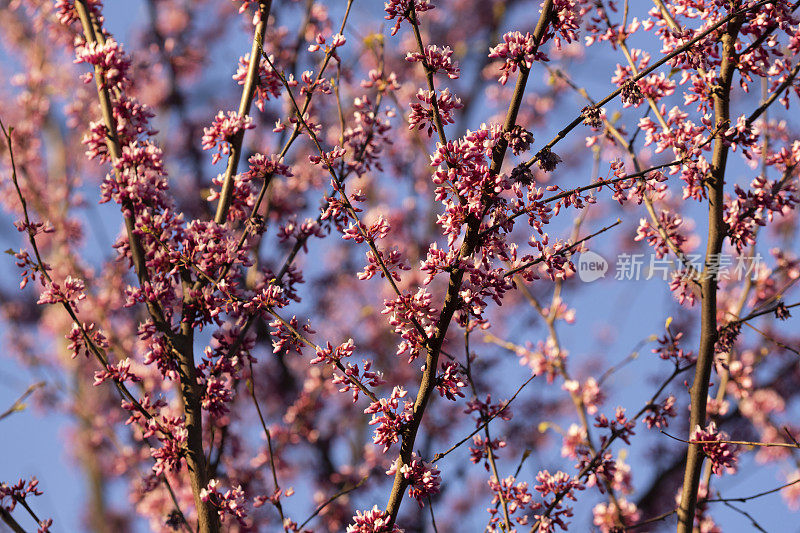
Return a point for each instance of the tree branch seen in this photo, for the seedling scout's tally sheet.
(708, 285)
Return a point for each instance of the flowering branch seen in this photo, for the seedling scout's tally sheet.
(208, 520)
(249, 89)
(42, 269)
(691, 271)
(708, 285)
(94, 34)
(338, 184)
(469, 245)
(741, 499)
(254, 222)
(688, 46)
(596, 459)
(490, 456)
(597, 185)
(198, 306)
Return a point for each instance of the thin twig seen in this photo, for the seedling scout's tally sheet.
(433, 518)
(743, 499)
(19, 403)
(330, 500)
(174, 499)
(251, 386)
(566, 250)
(662, 516)
(736, 442)
(747, 515)
(480, 427)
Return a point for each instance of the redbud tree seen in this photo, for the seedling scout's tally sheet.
(324, 266)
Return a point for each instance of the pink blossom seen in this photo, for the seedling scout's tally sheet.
(119, 373)
(353, 376)
(399, 10)
(659, 414)
(608, 517)
(389, 418)
(449, 383)
(620, 427)
(18, 492)
(71, 292)
(572, 440)
(222, 131)
(516, 496)
(422, 115)
(268, 82)
(372, 521)
(516, 50)
(231, 502)
(722, 455)
(109, 58)
(481, 448)
(436, 60)
(423, 478)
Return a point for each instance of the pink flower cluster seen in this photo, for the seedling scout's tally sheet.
(389, 418)
(268, 82)
(18, 492)
(620, 427)
(659, 414)
(230, 502)
(400, 10)
(721, 454)
(121, 372)
(222, 131)
(423, 478)
(372, 521)
(422, 114)
(558, 486)
(516, 51)
(406, 313)
(199, 309)
(71, 292)
(435, 60)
